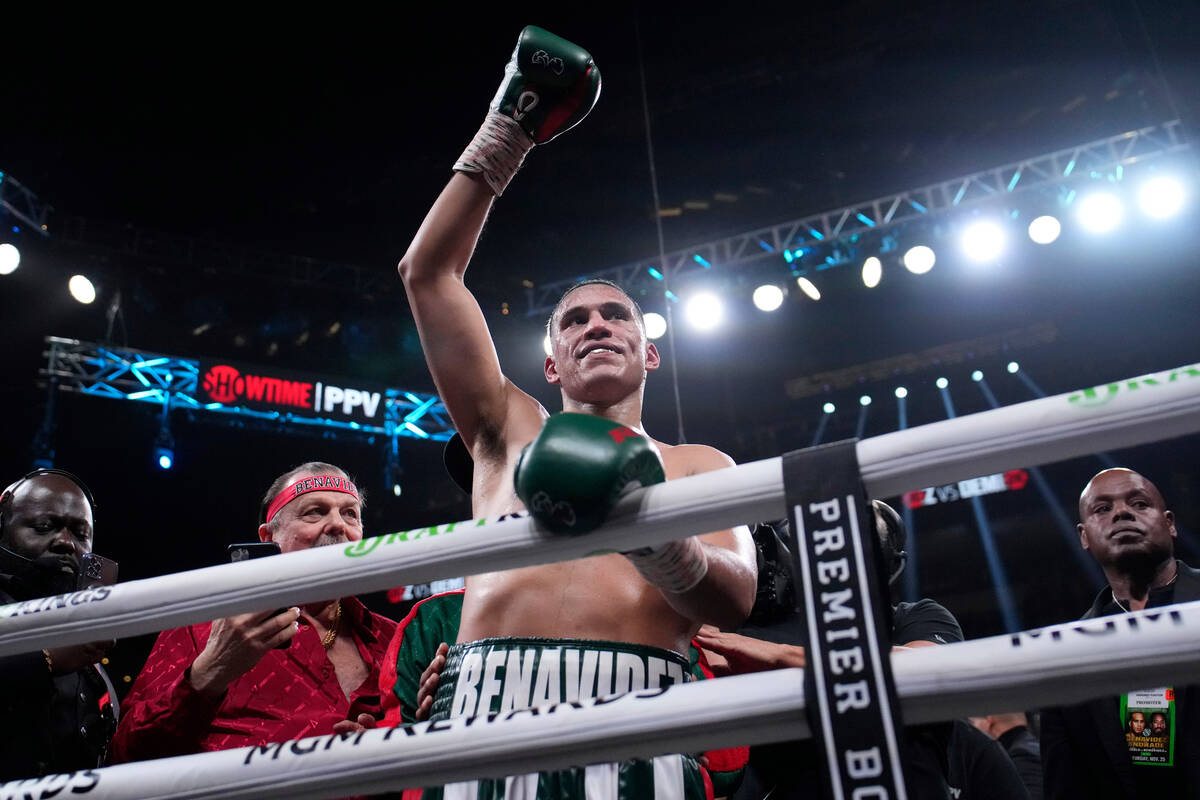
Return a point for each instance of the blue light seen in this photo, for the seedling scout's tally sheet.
(816, 234)
(658, 276)
(417, 431)
(865, 220)
(918, 206)
(15, 229)
(1013, 183)
(766, 246)
(699, 259)
(164, 457)
(1070, 168)
(787, 256)
(670, 296)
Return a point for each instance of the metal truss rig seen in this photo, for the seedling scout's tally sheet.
(1094, 158)
(122, 374)
(24, 204)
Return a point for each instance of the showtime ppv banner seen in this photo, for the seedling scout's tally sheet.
(270, 389)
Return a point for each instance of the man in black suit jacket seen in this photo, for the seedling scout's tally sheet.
(1125, 525)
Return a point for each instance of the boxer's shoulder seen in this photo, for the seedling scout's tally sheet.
(682, 460)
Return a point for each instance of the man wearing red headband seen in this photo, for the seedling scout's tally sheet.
(265, 676)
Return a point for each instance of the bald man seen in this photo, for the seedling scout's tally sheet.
(1125, 525)
(56, 705)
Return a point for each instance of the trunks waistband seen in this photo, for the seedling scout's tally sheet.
(500, 675)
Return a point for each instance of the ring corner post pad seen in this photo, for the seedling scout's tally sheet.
(844, 612)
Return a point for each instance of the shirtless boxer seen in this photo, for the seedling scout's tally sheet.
(611, 628)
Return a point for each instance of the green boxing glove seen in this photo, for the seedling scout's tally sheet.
(549, 85)
(572, 474)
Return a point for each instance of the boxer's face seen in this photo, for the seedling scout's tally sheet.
(1137, 722)
(315, 519)
(599, 352)
(1122, 515)
(50, 516)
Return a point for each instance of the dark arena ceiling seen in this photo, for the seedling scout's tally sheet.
(201, 166)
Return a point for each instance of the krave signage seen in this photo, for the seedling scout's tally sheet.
(270, 389)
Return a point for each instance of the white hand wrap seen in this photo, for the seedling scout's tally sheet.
(674, 567)
(496, 152)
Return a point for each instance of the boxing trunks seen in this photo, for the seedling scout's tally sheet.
(500, 675)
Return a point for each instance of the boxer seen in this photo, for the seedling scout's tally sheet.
(589, 626)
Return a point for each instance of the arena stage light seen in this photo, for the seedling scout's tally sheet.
(901, 393)
(872, 272)
(977, 375)
(10, 258)
(82, 289)
(704, 311)
(942, 383)
(768, 297)
(919, 260)
(1013, 367)
(1161, 197)
(1045, 229)
(829, 408)
(983, 241)
(656, 325)
(1100, 213)
(865, 400)
(809, 288)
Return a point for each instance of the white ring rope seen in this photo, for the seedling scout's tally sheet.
(1062, 664)
(1163, 405)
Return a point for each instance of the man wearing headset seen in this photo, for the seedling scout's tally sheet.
(57, 707)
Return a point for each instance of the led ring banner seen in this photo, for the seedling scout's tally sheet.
(1150, 408)
(1061, 664)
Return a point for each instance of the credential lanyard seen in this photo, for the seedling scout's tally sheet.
(841, 598)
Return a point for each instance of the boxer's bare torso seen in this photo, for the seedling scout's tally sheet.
(601, 597)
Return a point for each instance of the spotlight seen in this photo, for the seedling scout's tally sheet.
(1013, 367)
(396, 489)
(10, 258)
(656, 325)
(919, 260)
(1161, 197)
(865, 400)
(546, 345)
(983, 241)
(901, 392)
(872, 272)
(81, 289)
(942, 383)
(704, 311)
(977, 375)
(1045, 229)
(829, 408)
(164, 449)
(809, 288)
(768, 297)
(1100, 213)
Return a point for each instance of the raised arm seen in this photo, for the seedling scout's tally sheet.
(549, 86)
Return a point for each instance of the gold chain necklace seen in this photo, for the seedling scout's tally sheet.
(331, 635)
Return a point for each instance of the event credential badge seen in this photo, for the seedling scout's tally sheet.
(1148, 719)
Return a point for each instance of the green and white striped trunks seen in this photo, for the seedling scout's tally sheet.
(497, 676)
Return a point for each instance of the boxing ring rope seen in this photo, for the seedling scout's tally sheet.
(1149, 408)
(1061, 664)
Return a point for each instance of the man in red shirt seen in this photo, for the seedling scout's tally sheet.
(264, 677)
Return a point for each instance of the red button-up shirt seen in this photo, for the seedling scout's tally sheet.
(289, 694)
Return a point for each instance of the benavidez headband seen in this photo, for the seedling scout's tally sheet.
(318, 483)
